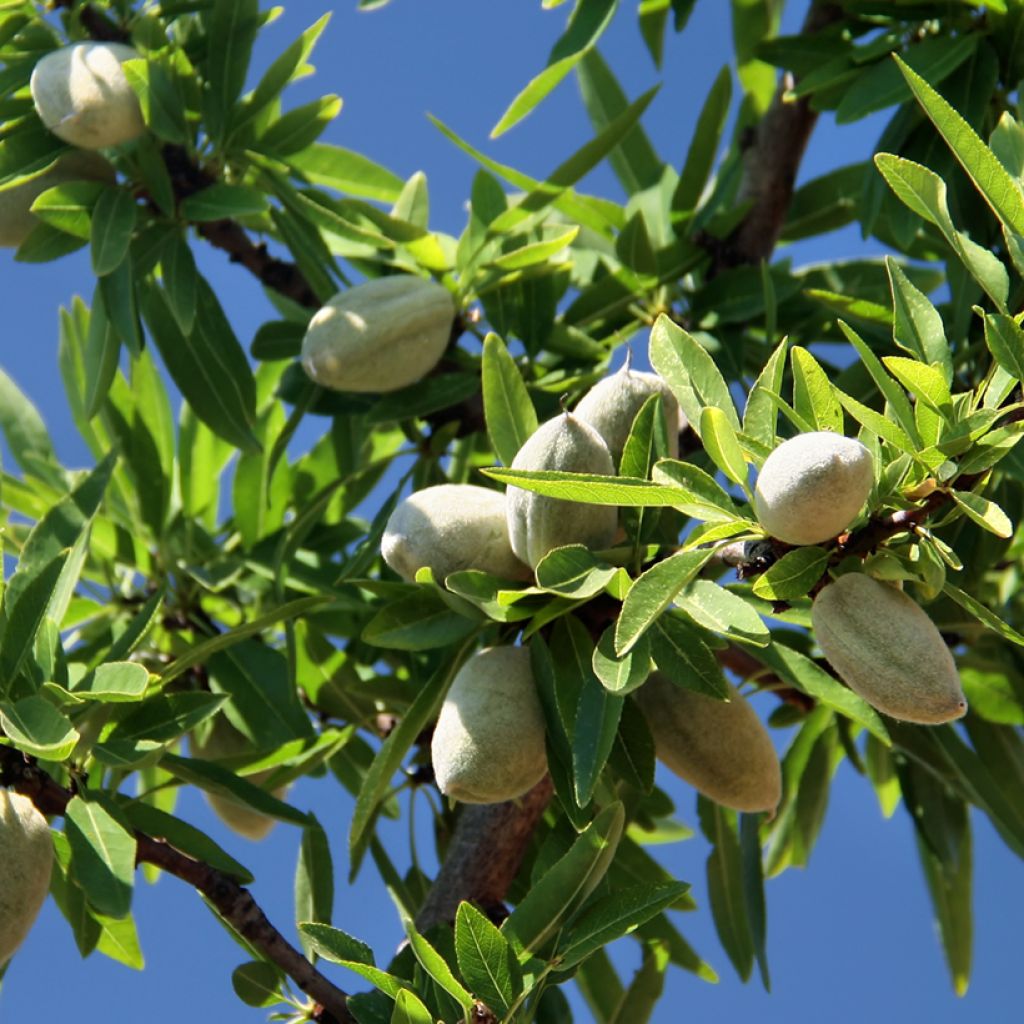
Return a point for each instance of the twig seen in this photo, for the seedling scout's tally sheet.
(233, 902)
(98, 25)
(746, 666)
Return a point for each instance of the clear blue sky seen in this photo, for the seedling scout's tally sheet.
(851, 938)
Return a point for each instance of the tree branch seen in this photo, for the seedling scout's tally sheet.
(98, 25)
(484, 856)
(771, 164)
(233, 902)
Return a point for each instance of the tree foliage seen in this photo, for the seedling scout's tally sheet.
(208, 572)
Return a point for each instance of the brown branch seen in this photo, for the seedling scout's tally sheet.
(98, 25)
(746, 666)
(484, 856)
(770, 165)
(233, 902)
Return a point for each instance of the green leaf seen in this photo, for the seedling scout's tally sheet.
(181, 280)
(102, 854)
(987, 514)
(634, 161)
(215, 202)
(621, 675)
(690, 372)
(1005, 341)
(917, 326)
(992, 180)
(335, 945)
(257, 983)
(409, 1009)
(720, 610)
(573, 572)
(38, 728)
(813, 394)
(720, 442)
(436, 966)
(760, 415)
(346, 171)
(924, 192)
(419, 621)
(231, 27)
(314, 878)
(799, 671)
(564, 887)
(926, 382)
(589, 19)
(592, 488)
(986, 617)
(114, 682)
(208, 365)
(792, 575)
(726, 889)
(681, 653)
(508, 411)
(113, 221)
(486, 960)
(652, 592)
(300, 127)
(753, 891)
(423, 710)
(26, 434)
(23, 617)
(617, 914)
(707, 136)
(160, 824)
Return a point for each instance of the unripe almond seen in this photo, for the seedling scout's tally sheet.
(26, 861)
(16, 216)
(450, 527)
(82, 95)
(611, 405)
(379, 336)
(887, 649)
(718, 747)
(224, 740)
(488, 744)
(812, 486)
(536, 523)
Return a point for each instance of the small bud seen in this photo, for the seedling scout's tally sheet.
(812, 487)
(82, 95)
(611, 405)
(537, 524)
(450, 527)
(379, 336)
(26, 861)
(488, 745)
(886, 648)
(718, 747)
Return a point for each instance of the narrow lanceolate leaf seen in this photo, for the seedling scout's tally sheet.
(231, 28)
(378, 778)
(987, 514)
(623, 674)
(556, 896)
(487, 962)
(725, 885)
(573, 571)
(994, 182)
(208, 365)
(508, 411)
(986, 617)
(760, 415)
(680, 651)
(753, 891)
(792, 575)
(36, 727)
(722, 611)
(592, 488)
(917, 326)
(102, 855)
(619, 913)
(721, 443)
(690, 372)
(652, 593)
(23, 617)
(113, 221)
(1005, 341)
(813, 394)
(314, 879)
(700, 158)
(436, 966)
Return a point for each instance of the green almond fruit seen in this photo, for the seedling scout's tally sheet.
(488, 744)
(719, 747)
(886, 649)
(26, 862)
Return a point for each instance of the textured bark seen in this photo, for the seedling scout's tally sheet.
(484, 856)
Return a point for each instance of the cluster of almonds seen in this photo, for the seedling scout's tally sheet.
(879, 640)
(82, 95)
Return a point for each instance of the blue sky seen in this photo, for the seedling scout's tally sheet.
(851, 937)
